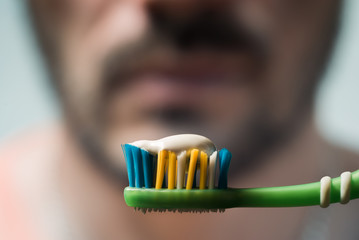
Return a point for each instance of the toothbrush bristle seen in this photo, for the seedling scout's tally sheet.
(224, 161)
(192, 169)
(139, 166)
(181, 169)
(151, 173)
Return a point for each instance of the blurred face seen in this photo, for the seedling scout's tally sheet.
(239, 72)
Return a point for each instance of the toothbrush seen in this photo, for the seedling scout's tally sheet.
(180, 155)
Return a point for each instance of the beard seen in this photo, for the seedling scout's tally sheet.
(207, 75)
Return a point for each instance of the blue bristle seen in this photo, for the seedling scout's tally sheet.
(127, 149)
(147, 167)
(224, 161)
(137, 159)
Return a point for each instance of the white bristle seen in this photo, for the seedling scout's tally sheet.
(212, 169)
(181, 164)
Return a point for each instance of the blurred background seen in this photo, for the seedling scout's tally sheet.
(27, 99)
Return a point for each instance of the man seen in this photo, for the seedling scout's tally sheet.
(242, 73)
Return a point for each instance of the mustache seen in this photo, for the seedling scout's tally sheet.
(215, 30)
(170, 39)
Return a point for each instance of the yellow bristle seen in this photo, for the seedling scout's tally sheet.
(192, 168)
(203, 170)
(171, 170)
(161, 162)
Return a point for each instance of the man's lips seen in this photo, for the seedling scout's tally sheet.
(204, 69)
(165, 84)
(161, 91)
(165, 98)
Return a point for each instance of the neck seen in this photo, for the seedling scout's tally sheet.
(298, 160)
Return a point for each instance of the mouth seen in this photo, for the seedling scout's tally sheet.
(176, 90)
(165, 79)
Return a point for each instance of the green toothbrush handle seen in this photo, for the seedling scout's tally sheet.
(292, 196)
(285, 196)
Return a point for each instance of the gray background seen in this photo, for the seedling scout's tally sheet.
(26, 98)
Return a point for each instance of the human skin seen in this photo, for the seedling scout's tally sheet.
(129, 70)
(123, 74)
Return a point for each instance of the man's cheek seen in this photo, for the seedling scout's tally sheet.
(113, 26)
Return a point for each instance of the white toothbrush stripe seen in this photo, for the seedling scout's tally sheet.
(345, 182)
(325, 188)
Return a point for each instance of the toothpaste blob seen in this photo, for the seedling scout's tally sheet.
(178, 156)
(177, 144)
(180, 145)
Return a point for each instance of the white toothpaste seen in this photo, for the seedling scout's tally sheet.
(179, 144)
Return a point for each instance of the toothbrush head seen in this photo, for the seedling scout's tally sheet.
(176, 173)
